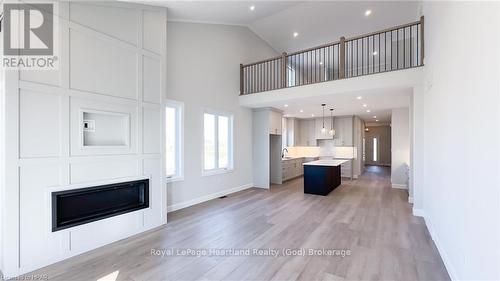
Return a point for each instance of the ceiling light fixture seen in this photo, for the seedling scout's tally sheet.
(365, 105)
(295, 34)
(359, 97)
(312, 115)
(332, 131)
(376, 120)
(252, 8)
(368, 12)
(375, 117)
(368, 111)
(301, 110)
(286, 105)
(320, 63)
(323, 130)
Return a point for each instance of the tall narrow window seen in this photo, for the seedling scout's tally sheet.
(217, 142)
(173, 138)
(375, 149)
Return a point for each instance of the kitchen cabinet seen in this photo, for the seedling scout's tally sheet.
(275, 122)
(292, 168)
(292, 132)
(320, 135)
(344, 131)
(307, 135)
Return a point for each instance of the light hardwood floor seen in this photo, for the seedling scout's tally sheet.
(366, 216)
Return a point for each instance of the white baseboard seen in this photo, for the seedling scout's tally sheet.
(205, 198)
(399, 186)
(418, 212)
(444, 256)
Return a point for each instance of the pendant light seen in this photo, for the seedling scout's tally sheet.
(323, 130)
(332, 131)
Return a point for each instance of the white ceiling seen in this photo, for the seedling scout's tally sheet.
(379, 102)
(317, 22)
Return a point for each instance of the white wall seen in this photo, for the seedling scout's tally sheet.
(400, 147)
(203, 72)
(461, 162)
(112, 58)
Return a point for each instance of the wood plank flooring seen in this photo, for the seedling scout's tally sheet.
(365, 216)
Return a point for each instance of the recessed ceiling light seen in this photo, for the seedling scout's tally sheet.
(375, 53)
(368, 111)
(376, 120)
(252, 8)
(312, 115)
(375, 117)
(286, 105)
(359, 97)
(295, 34)
(301, 111)
(320, 63)
(365, 105)
(368, 12)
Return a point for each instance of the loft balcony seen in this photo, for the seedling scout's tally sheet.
(391, 49)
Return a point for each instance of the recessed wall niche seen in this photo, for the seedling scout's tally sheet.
(105, 129)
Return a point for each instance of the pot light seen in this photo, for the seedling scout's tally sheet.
(312, 115)
(375, 53)
(376, 120)
(286, 105)
(368, 12)
(320, 63)
(301, 110)
(252, 8)
(375, 117)
(365, 105)
(295, 34)
(359, 97)
(368, 111)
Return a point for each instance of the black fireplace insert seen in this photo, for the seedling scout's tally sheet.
(84, 205)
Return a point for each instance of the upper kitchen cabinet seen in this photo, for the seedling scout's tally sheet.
(344, 131)
(275, 122)
(307, 136)
(292, 132)
(320, 134)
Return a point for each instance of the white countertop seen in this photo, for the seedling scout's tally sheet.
(326, 163)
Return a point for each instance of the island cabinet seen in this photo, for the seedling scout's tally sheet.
(322, 176)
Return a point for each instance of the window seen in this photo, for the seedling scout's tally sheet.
(173, 136)
(217, 143)
(290, 76)
(375, 148)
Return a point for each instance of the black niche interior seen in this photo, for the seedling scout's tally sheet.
(84, 205)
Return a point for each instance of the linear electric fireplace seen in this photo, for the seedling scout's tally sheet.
(84, 205)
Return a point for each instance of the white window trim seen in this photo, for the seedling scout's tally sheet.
(180, 142)
(230, 168)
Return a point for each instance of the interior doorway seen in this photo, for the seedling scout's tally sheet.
(378, 145)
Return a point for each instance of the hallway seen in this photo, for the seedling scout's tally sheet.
(365, 216)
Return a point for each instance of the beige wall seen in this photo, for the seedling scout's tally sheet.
(384, 135)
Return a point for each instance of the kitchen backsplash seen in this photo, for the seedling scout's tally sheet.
(325, 148)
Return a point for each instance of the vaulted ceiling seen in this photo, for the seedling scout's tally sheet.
(316, 22)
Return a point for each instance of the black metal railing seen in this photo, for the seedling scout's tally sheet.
(395, 48)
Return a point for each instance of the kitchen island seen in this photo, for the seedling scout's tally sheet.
(322, 176)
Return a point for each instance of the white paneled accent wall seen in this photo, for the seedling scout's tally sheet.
(112, 60)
